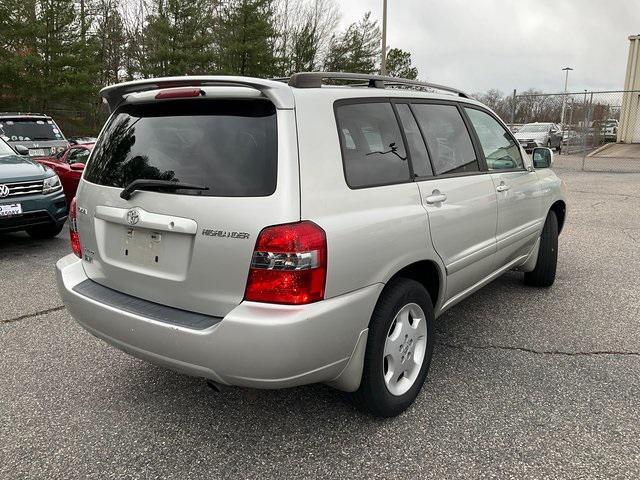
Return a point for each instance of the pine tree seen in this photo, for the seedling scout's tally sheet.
(245, 38)
(177, 39)
(399, 64)
(43, 57)
(357, 49)
(111, 41)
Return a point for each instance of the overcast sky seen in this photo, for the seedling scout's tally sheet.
(481, 44)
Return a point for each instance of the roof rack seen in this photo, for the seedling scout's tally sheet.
(315, 80)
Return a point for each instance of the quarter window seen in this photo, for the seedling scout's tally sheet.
(372, 148)
(448, 139)
(500, 150)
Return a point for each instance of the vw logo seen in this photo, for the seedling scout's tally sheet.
(4, 191)
(133, 217)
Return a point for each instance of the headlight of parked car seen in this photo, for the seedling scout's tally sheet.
(51, 184)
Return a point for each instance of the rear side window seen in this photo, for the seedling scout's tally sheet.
(415, 142)
(78, 155)
(372, 148)
(500, 150)
(448, 139)
(229, 146)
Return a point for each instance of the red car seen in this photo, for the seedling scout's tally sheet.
(69, 166)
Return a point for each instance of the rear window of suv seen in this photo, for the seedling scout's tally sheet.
(229, 146)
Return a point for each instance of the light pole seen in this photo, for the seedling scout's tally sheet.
(564, 98)
(383, 60)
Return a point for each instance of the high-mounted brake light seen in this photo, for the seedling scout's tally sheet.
(189, 92)
(74, 236)
(289, 265)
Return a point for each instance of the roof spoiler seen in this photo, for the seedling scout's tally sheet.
(279, 93)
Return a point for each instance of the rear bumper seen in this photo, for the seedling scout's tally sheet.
(37, 210)
(255, 345)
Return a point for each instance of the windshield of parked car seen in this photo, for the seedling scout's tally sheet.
(532, 128)
(5, 149)
(29, 130)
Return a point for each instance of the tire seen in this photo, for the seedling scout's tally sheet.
(45, 231)
(545, 272)
(374, 395)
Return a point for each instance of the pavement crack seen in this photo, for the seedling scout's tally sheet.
(541, 352)
(30, 315)
(627, 232)
(625, 196)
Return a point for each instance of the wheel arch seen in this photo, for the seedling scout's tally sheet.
(560, 209)
(429, 274)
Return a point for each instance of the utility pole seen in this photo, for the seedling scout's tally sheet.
(564, 98)
(383, 60)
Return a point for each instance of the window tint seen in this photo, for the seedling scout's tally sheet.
(229, 146)
(372, 147)
(499, 148)
(448, 139)
(415, 142)
(78, 155)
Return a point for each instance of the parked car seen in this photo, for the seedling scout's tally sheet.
(81, 140)
(570, 137)
(31, 196)
(534, 135)
(608, 129)
(35, 131)
(69, 166)
(267, 234)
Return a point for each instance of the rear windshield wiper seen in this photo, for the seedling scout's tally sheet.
(142, 184)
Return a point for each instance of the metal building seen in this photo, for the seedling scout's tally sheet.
(629, 130)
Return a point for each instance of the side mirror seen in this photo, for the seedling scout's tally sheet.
(542, 157)
(21, 150)
(77, 166)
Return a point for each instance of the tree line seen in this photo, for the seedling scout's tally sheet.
(533, 106)
(61, 52)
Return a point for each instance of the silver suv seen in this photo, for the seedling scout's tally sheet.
(278, 233)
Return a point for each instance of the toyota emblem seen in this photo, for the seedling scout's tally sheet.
(133, 217)
(4, 191)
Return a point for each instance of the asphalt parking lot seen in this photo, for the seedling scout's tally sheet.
(524, 383)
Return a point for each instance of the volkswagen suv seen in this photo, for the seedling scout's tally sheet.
(270, 234)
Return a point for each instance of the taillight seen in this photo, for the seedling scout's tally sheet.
(289, 265)
(74, 236)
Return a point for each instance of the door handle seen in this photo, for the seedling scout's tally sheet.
(502, 188)
(435, 198)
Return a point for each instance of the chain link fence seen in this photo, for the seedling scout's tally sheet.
(602, 129)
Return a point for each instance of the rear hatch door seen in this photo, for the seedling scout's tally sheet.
(189, 249)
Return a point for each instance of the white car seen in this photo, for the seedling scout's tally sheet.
(272, 234)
